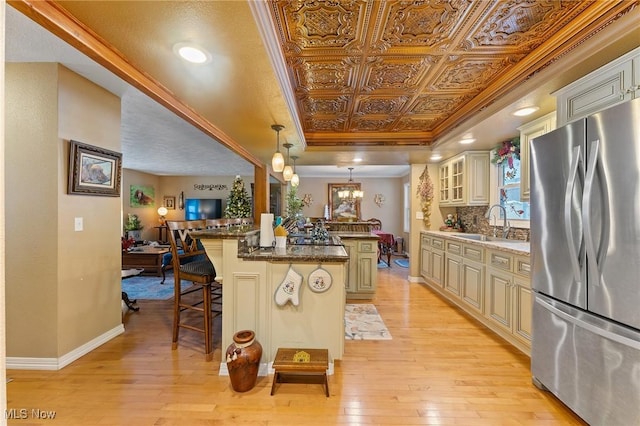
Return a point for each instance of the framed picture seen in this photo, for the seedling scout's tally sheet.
(141, 196)
(343, 209)
(93, 170)
(169, 202)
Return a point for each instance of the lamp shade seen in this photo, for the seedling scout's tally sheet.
(162, 211)
(287, 173)
(277, 162)
(295, 180)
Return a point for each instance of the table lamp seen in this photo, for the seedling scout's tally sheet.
(162, 211)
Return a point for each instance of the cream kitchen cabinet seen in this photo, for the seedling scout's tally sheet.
(453, 268)
(508, 296)
(432, 259)
(488, 281)
(362, 267)
(528, 131)
(464, 180)
(614, 83)
(472, 277)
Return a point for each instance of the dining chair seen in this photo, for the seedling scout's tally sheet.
(202, 273)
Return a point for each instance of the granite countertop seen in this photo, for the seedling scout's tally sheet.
(357, 235)
(513, 246)
(299, 253)
(226, 233)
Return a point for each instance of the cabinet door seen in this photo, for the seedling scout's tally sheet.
(425, 263)
(477, 179)
(453, 274)
(472, 291)
(444, 184)
(523, 300)
(437, 267)
(457, 181)
(350, 267)
(498, 305)
(529, 131)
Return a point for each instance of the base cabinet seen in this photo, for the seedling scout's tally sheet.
(361, 268)
(492, 285)
(432, 259)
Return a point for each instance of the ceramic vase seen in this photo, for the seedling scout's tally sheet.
(243, 360)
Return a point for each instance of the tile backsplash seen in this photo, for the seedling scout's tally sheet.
(474, 222)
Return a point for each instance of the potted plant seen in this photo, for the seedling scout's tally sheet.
(294, 203)
(133, 227)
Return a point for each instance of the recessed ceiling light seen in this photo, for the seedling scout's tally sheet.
(522, 112)
(357, 160)
(467, 141)
(436, 157)
(192, 53)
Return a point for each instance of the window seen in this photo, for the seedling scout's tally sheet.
(509, 191)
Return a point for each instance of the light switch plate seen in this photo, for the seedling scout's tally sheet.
(419, 215)
(78, 225)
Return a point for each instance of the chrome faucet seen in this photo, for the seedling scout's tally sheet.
(505, 225)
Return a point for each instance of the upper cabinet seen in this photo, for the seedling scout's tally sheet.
(529, 131)
(614, 83)
(464, 180)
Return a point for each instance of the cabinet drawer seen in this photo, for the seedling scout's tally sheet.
(523, 266)
(474, 253)
(454, 247)
(425, 240)
(437, 243)
(367, 247)
(501, 261)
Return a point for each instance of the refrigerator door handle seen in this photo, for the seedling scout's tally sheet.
(600, 331)
(586, 203)
(568, 229)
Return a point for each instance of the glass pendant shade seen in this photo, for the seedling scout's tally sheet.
(295, 180)
(287, 173)
(277, 162)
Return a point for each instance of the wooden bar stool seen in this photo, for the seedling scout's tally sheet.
(190, 263)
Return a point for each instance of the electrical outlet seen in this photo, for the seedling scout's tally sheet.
(78, 224)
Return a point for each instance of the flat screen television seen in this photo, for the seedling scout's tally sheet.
(202, 208)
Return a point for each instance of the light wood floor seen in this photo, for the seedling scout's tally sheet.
(441, 368)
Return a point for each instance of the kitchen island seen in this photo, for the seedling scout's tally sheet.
(253, 298)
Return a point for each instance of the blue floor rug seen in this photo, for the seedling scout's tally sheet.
(383, 264)
(149, 287)
(402, 262)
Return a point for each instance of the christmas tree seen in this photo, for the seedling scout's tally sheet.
(238, 202)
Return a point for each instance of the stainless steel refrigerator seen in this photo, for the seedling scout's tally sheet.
(585, 248)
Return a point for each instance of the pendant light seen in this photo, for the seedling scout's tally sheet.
(295, 179)
(350, 194)
(287, 173)
(277, 161)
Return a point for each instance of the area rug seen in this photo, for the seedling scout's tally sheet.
(402, 262)
(383, 264)
(149, 288)
(362, 322)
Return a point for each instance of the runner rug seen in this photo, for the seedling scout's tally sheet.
(362, 322)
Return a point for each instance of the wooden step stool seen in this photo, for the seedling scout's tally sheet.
(301, 364)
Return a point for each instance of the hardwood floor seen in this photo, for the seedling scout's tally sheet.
(440, 368)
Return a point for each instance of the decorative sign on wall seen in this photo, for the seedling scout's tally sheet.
(210, 187)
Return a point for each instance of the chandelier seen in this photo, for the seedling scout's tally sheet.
(350, 194)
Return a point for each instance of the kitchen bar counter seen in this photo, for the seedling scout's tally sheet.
(252, 277)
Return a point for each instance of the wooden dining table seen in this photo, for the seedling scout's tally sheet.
(385, 244)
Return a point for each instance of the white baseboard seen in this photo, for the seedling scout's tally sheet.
(413, 279)
(27, 363)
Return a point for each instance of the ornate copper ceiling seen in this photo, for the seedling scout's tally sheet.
(403, 72)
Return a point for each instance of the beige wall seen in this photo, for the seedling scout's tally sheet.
(191, 186)
(62, 287)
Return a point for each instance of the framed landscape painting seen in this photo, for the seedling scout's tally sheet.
(93, 170)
